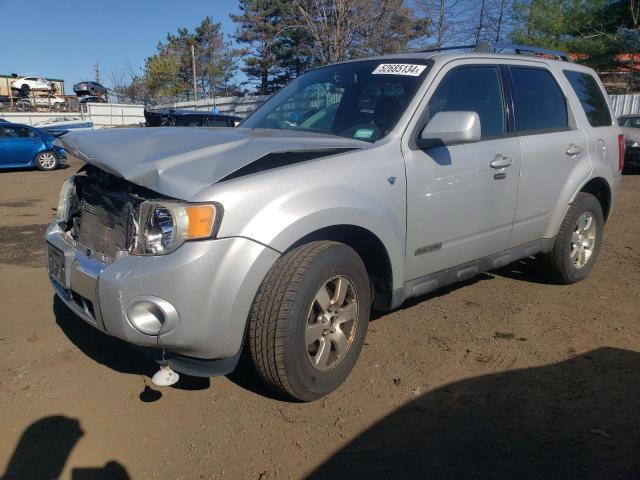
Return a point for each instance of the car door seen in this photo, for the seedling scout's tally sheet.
(19, 145)
(459, 207)
(551, 148)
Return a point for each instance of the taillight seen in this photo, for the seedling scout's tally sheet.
(620, 152)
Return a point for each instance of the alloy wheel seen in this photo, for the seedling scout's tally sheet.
(47, 160)
(583, 240)
(331, 323)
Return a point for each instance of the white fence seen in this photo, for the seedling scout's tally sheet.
(101, 114)
(239, 106)
(113, 114)
(33, 118)
(628, 104)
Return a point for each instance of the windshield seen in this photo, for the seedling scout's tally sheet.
(362, 100)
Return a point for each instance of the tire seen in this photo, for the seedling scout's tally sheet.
(25, 90)
(564, 260)
(286, 317)
(46, 161)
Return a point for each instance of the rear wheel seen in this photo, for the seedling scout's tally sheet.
(577, 245)
(46, 161)
(309, 319)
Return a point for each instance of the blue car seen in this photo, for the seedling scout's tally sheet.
(25, 146)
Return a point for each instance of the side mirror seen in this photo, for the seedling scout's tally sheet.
(450, 128)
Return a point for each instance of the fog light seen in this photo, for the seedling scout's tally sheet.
(152, 315)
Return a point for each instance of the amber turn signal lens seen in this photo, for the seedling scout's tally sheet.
(201, 220)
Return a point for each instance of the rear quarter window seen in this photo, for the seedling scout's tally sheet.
(540, 104)
(591, 98)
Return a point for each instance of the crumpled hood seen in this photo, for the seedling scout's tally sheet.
(179, 162)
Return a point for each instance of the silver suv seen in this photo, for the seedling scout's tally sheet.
(358, 186)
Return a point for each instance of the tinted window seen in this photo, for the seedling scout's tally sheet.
(188, 121)
(472, 89)
(16, 132)
(540, 104)
(633, 122)
(215, 122)
(591, 97)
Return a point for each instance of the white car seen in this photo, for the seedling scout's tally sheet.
(52, 101)
(42, 101)
(26, 84)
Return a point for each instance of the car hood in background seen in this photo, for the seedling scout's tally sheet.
(180, 162)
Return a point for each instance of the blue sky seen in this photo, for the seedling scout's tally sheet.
(63, 39)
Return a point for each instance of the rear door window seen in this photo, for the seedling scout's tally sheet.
(591, 98)
(540, 104)
(16, 132)
(633, 122)
(472, 89)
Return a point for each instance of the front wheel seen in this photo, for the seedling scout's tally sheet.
(578, 242)
(309, 319)
(46, 161)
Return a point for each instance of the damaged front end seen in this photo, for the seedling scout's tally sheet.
(106, 217)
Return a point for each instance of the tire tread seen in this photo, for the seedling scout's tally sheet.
(270, 311)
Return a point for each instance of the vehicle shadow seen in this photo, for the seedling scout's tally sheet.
(528, 270)
(412, 302)
(43, 449)
(31, 169)
(577, 419)
(115, 353)
(105, 350)
(246, 377)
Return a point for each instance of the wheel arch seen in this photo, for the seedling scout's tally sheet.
(599, 188)
(371, 249)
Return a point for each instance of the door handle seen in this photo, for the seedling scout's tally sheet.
(500, 161)
(573, 150)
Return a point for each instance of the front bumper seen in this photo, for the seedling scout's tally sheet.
(210, 283)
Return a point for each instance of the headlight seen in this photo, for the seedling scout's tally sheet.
(67, 201)
(166, 226)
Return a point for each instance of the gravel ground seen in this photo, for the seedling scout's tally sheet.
(504, 376)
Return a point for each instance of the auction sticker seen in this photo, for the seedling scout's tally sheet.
(399, 69)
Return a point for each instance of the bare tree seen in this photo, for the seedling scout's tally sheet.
(341, 29)
(480, 26)
(501, 19)
(446, 20)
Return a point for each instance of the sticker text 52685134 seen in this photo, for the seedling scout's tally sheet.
(399, 69)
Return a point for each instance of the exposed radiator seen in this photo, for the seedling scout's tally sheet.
(106, 220)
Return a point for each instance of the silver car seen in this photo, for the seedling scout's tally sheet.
(358, 186)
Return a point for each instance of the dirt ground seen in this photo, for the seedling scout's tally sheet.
(505, 376)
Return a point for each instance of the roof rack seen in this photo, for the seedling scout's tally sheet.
(529, 50)
(487, 47)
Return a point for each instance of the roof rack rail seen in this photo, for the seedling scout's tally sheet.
(487, 47)
(529, 50)
(440, 49)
